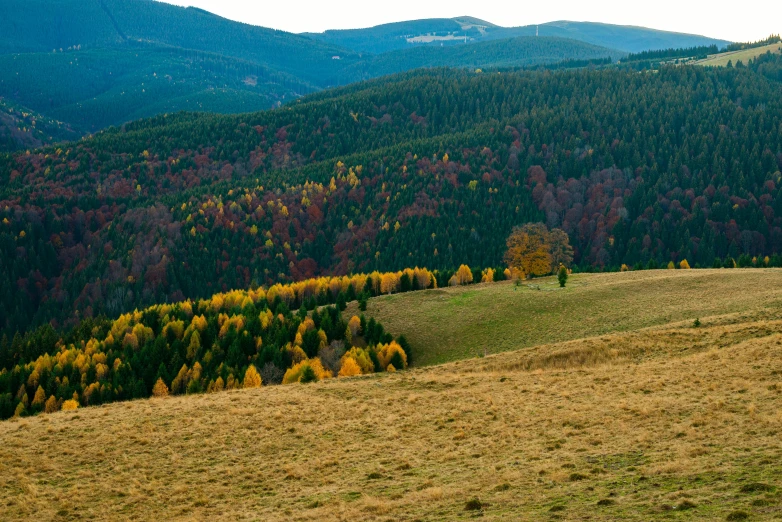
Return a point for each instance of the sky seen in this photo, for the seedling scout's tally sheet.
(747, 20)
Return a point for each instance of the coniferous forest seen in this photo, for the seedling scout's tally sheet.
(422, 169)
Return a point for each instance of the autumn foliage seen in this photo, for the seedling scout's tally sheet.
(251, 378)
(535, 250)
(236, 339)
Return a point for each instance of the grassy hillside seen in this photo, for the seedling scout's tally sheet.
(744, 55)
(666, 422)
(494, 318)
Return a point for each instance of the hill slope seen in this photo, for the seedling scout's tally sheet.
(627, 426)
(40, 26)
(431, 169)
(458, 31)
(592, 305)
(744, 55)
(22, 128)
(98, 88)
(97, 63)
(512, 52)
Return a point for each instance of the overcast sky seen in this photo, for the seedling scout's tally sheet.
(743, 21)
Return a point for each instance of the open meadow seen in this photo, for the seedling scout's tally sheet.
(744, 55)
(607, 402)
(454, 323)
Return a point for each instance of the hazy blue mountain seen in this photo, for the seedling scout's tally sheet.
(394, 36)
(458, 31)
(42, 25)
(523, 51)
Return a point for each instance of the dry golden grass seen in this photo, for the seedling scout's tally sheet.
(666, 422)
(722, 59)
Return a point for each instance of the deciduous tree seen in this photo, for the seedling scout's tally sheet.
(534, 250)
(251, 378)
(160, 389)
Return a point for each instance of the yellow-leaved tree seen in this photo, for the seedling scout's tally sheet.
(463, 275)
(488, 276)
(160, 389)
(354, 325)
(391, 354)
(40, 397)
(51, 405)
(361, 357)
(252, 378)
(349, 367)
(313, 366)
(389, 283)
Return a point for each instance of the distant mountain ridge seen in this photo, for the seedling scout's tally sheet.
(465, 29)
(91, 64)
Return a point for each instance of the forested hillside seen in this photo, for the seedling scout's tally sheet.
(97, 88)
(92, 64)
(430, 169)
(21, 128)
(42, 26)
(232, 340)
(512, 52)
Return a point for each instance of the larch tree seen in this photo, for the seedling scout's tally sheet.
(160, 389)
(488, 276)
(252, 378)
(388, 283)
(51, 405)
(355, 325)
(349, 368)
(40, 397)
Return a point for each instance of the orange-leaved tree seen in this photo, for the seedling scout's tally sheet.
(349, 367)
(464, 275)
(535, 250)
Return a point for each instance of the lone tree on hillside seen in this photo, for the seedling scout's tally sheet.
(533, 249)
(562, 276)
